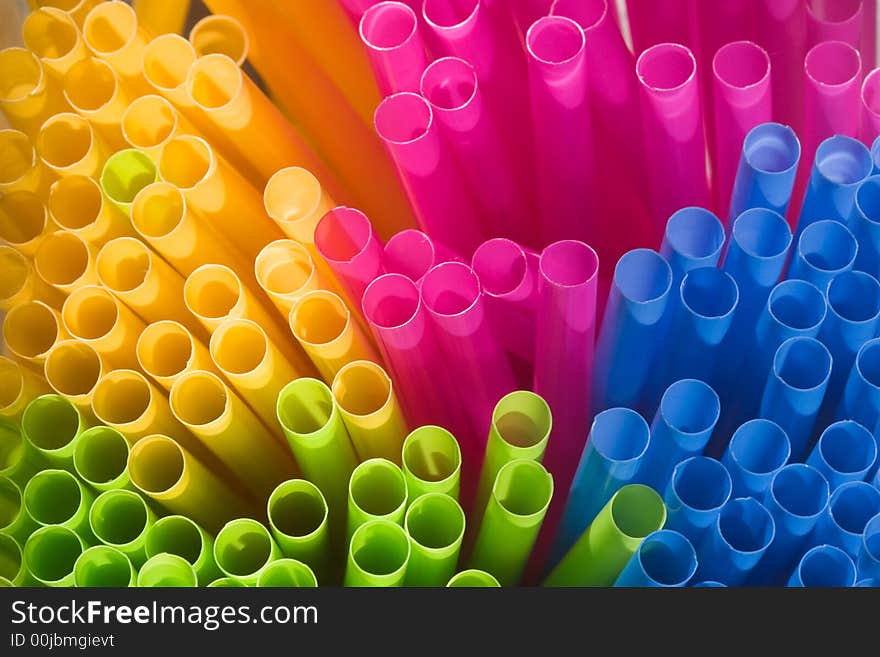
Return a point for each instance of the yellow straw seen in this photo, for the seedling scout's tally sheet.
(20, 283)
(166, 63)
(23, 221)
(30, 330)
(77, 204)
(150, 122)
(220, 34)
(65, 261)
(166, 350)
(162, 16)
(28, 96)
(53, 36)
(94, 90)
(78, 9)
(67, 144)
(73, 369)
(285, 271)
(111, 32)
(20, 169)
(18, 386)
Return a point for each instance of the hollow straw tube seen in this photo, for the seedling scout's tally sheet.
(23, 221)
(378, 555)
(755, 453)
(56, 497)
(825, 248)
(18, 387)
(287, 573)
(50, 424)
(412, 253)
(15, 521)
(298, 514)
(612, 458)
(665, 558)
(19, 459)
(835, 21)
(846, 451)
(67, 145)
(843, 523)
(285, 271)
(50, 554)
(100, 458)
(824, 565)
(162, 16)
(181, 536)
(472, 578)
(226, 583)
(870, 106)
(868, 560)
(651, 24)
(77, 204)
(65, 261)
(864, 223)
(697, 491)
(861, 395)
(102, 566)
(12, 566)
(394, 46)
(121, 519)
(346, 240)
(166, 350)
(167, 571)
(435, 525)
(94, 90)
(52, 35)
(693, 239)
(73, 369)
(112, 33)
(365, 396)
(431, 460)
(20, 282)
(21, 169)
(30, 330)
(126, 173)
(149, 122)
(216, 33)
(166, 60)
(30, 96)
(376, 490)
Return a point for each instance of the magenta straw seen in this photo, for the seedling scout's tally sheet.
(394, 45)
(675, 154)
(741, 100)
(561, 128)
(526, 12)
(835, 20)
(451, 86)
(869, 129)
(412, 253)
(345, 238)
(869, 35)
(718, 23)
(658, 22)
(405, 122)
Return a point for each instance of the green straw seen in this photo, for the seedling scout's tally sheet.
(313, 426)
(378, 555)
(5, 583)
(105, 567)
(14, 519)
(181, 536)
(167, 570)
(520, 427)
(19, 460)
(125, 173)
(435, 525)
(243, 548)
(376, 490)
(11, 561)
(51, 423)
(512, 519)
(473, 579)
(226, 583)
(603, 549)
(287, 573)
(50, 554)
(121, 519)
(298, 519)
(56, 497)
(431, 462)
(100, 458)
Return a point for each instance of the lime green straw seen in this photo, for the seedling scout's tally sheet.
(603, 549)
(51, 424)
(56, 497)
(50, 554)
(472, 579)
(311, 421)
(19, 460)
(121, 519)
(431, 462)
(512, 520)
(243, 548)
(167, 570)
(435, 525)
(287, 573)
(181, 536)
(103, 566)
(520, 427)
(376, 490)
(14, 518)
(5, 583)
(378, 555)
(125, 173)
(100, 458)
(226, 583)
(12, 566)
(298, 519)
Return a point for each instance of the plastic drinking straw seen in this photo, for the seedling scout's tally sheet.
(870, 108)
(121, 519)
(671, 115)
(28, 96)
(226, 583)
(65, 261)
(67, 145)
(835, 21)
(512, 520)
(105, 567)
(405, 123)
(18, 387)
(346, 240)
(394, 46)
(56, 497)
(825, 248)
(325, 329)
(742, 99)
(846, 451)
(181, 536)
(100, 458)
(162, 16)
(15, 521)
(365, 396)
(23, 221)
(378, 555)
(77, 9)
(697, 491)
(166, 350)
(30, 329)
(412, 253)
(94, 90)
(77, 204)
(376, 491)
(851, 506)
(12, 566)
(861, 395)
(298, 514)
(243, 548)
(50, 423)
(125, 173)
(755, 453)
(21, 169)
(693, 238)
(431, 462)
(166, 60)
(664, 559)
(50, 554)
(73, 369)
(19, 459)
(472, 578)
(167, 571)
(826, 566)
(651, 24)
(864, 223)
(435, 525)
(287, 573)
(149, 122)
(220, 34)
(21, 283)
(868, 559)
(112, 33)
(127, 402)
(51, 34)
(165, 472)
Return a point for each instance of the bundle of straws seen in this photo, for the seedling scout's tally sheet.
(383, 307)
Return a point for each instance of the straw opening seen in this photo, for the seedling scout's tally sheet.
(668, 558)
(500, 265)
(122, 397)
(523, 488)
(11, 382)
(15, 272)
(868, 199)
(450, 289)
(449, 84)
(186, 161)
(431, 454)
(10, 557)
(403, 118)
(90, 84)
(410, 253)
(199, 398)
(52, 497)
(157, 210)
(242, 547)
(586, 13)
(73, 368)
(22, 217)
(51, 553)
(100, 455)
(175, 535)
(342, 234)
(286, 573)
(666, 67)
(123, 264)
(319, 317)
(305, 406)
(239, 346)
(164, 349)
(800, 490)
(156, 464)
(569, 263)
(167, 570)
(445, 15)
(50, 422)
(10, 502)
(828, 245)
(838, 11)
(825, 565)
(362, 388)
(292, 194)
(50, 33)
(695, 233)
(642, 276)
(843, 160)
(848, 447)
(21, 74)
(555, 40)
(760, 447)
(148, 122)
(110, 27)
(522, 419)
(75, 202)
(126, 173)
(797, 304)
(391, 301)
(762, 233)
(167, 60)
(284, 267)
(62, 258)
(853, 504)
(297, 509)
(212, 291)
(17, 156)
(435, 521)
(118, 517)
(637, 510)
(871, 92)
(214, 81)
(217, 34)
(802, 363)
(690, 406)
(745, 525)
(90, 313)
(64, 140)
(832, 63)
(741, 64)
(701, 483)
(30, 329)
(380, 548)
(709, 292)
(377, 487)
(102, 566)
(772, 148)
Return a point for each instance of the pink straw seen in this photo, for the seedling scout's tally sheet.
(675, 154)
(742, 99)
(412, 253)
(653, 22)
(835, 20)
(526, 12)
(346, 240)
(445, 210)
(870, 125)
(869, 34)
(561, 127)
(390, 32)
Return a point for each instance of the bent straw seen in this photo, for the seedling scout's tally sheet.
(298, 514)
(30, 330)
(864, 223)
(346, 240)
(23, 221)
(162, 16)
(77, 204)
(50, 424)
(165, 472)
(394, 45)
(167, 571)
(431, 461)
(412, 253)
(56, 497)
(28, 95)
(12, 566)
(15, 521)
(102, 566)
(243, 549)
(868, 561)
(365, 396)
(65, 261)
(125, 173)
(19, 385)
(376, 491)
(861, 395)
(94, 316)
(20, 168)
(850, 508)
(52, 35)
(228, 429)
(846, 451)
(165, 350)
(512, 520)
(112, 33)
(181, 536)
(149, 122)
(67, 145)
(121, 519)
(697, 491)
(472, 578)
(100, 458)
(665, 558)
(435, 525)
(756, 452)
(216, 33)
(285, 271)
(825, 566)
(73, 369)
(287, 573)
(378, 555)
(602, 551)
(94, 90)
(50, 554)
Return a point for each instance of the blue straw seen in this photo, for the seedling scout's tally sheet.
(767, 169)
(861, 394)
(697, 491)
(694, 238)
(709, 584)
(664, 559)
(824, 566)
(864, 223)
(825, 249)
(736, 542)
(851, 506)
(846, 451)
(867, 583)
(875, 155)
(756, 452)
(868, 561)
